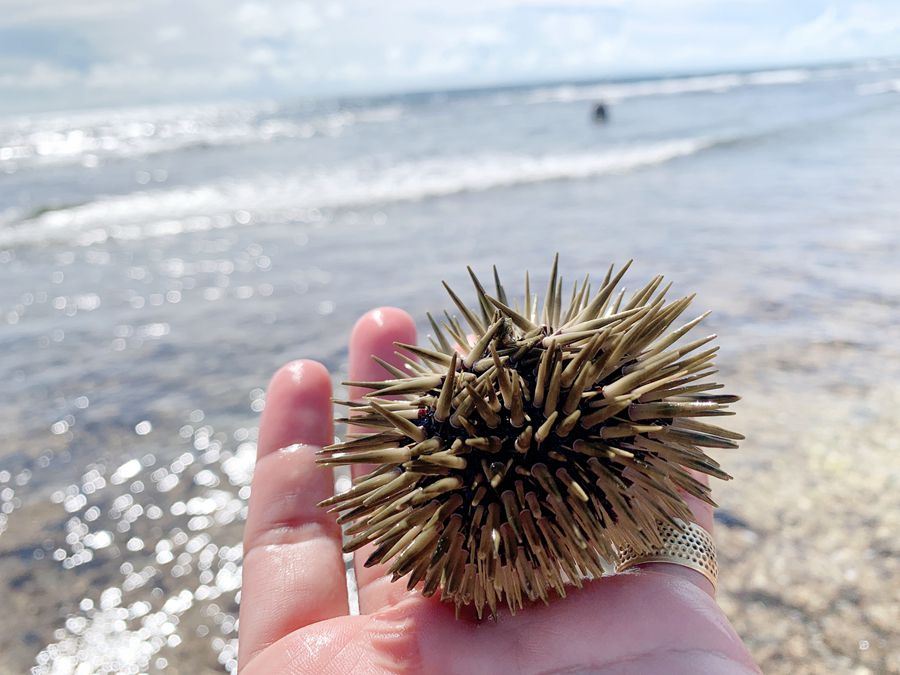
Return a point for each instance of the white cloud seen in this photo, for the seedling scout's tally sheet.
(484, 34)
(169, 33)
(262, 20)
(21, 11)
(39, 76)
(847, 28)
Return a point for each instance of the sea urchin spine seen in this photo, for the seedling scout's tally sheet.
(518, 454)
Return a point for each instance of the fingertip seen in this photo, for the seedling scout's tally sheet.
(375, 333)
(383, 320)
(298, 407)
(302, 373)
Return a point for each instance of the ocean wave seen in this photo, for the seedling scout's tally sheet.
(880, 87)
(674, 86)
(89, 138)
(168, 212)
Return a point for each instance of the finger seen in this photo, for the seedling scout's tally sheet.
(375, 334)
(702, 511)
(703, 516)
(293, 570)
(298, 408)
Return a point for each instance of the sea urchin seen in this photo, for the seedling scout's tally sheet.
(523, 450)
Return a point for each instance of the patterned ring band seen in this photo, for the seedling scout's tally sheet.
(691, 547)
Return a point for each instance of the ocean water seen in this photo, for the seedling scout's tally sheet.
(158, 264)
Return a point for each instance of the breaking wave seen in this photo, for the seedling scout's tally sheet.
(146, 214)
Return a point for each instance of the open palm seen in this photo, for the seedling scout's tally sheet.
(294, 606)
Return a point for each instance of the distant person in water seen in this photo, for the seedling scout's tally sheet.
(601, 115)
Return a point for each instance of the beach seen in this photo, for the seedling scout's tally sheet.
(157, 265)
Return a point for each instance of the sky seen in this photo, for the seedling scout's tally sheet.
(57, 54)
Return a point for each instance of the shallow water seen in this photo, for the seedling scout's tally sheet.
(156, 265)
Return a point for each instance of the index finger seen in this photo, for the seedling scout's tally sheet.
(294, 572)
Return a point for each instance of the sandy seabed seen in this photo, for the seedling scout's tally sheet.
(808, 545)
(807, 536)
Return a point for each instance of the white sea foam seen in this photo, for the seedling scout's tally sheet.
(768, 77)
(880, 87)
(168, 212)
(619, 91)
(674, 86)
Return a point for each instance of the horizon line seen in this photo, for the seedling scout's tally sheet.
(475, 88)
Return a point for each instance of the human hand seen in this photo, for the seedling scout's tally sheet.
(659, 618)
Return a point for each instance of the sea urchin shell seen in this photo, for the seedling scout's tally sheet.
(520, 452)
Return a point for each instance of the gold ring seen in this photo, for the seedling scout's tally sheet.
(690, 547)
